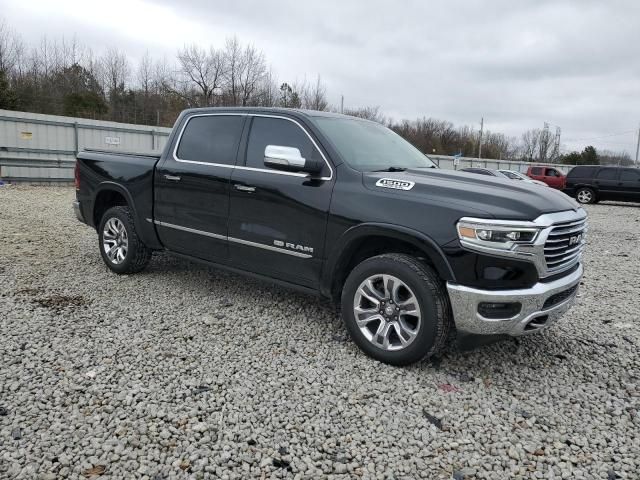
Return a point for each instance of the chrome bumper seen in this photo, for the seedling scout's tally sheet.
(533, 316)
(77, 211)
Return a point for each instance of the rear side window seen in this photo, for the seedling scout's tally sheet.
(629, 175)
(582, 172)
(608, 174)
(211, 139)
(277, 131)
(536, 171)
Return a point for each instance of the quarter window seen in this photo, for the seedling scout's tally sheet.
(629, 175)
(211, 139)
(607, 174)
(277, 131)
(536, 171)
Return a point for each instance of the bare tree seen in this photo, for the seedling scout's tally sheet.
(547, 151)
(116, 70)
(202, 69)
(233, 60)
(267, 91)
(252, 70)
(315, 96)
(145, 73)
(369, 113)
(529, 145)
(11, 48)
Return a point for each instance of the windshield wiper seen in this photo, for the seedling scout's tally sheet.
(391, 169)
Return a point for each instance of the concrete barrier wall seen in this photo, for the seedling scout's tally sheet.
(42, 148)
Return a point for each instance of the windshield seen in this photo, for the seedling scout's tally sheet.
(368, 146)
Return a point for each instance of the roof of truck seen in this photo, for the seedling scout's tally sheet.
(289, 111)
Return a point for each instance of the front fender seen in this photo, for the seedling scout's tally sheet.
(344, 248)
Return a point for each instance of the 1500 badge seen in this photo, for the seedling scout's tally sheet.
(395, 184)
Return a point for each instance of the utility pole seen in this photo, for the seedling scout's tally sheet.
(638, 147)
(480, 140)
(341, 103)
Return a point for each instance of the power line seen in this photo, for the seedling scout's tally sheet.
(596, 138)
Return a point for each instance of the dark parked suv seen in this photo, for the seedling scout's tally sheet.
(591, 184)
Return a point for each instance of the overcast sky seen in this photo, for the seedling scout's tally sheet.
(574, 64)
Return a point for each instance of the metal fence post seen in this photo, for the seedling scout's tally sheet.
(75, 136)
(153, 139)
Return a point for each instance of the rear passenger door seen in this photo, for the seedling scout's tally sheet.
(278, 219)
(606, 182)
(629, 183)
(192, 186)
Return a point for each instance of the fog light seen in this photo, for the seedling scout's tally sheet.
(499, 310)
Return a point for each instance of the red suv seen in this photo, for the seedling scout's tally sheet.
(549, 175)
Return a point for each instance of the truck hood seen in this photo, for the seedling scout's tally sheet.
(479, 195)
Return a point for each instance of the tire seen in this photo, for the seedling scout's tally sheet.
(424, 334)
(586, 195)
(117, 229)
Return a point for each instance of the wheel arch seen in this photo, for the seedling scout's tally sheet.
(370, 239)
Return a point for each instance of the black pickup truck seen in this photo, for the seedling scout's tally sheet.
(344, 208)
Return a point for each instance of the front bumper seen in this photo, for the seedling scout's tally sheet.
(78, 211)
(533, 316)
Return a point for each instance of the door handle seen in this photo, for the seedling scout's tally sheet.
(244, 188)
(173, 178)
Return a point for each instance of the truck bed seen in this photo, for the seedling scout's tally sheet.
(131, 174)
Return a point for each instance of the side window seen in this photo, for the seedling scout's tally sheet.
(629, 175)
(551, 172)
(211, 139)
(536, 171)
(276, 131)
(607, 174)
(582, 172)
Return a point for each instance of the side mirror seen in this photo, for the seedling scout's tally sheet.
(289, 158)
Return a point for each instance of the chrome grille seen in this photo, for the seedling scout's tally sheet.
(564, 245)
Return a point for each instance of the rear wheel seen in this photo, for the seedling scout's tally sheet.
(585, 195)
(120, 247)
(396, 309)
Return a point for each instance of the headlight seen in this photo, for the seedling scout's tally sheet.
(502, 237)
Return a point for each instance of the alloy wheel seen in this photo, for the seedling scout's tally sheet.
(115, 240)
(585, 196)
(387, 312)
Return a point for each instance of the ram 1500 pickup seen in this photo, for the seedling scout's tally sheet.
(344, 208)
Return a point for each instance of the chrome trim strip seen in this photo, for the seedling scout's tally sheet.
(232, 239)
(242, 167)
(269, 247)
(190, 230)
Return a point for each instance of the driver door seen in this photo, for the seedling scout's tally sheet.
(278, 219)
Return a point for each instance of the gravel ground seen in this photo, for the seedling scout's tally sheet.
(188, 372)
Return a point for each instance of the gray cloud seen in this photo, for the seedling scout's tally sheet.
(571, 63)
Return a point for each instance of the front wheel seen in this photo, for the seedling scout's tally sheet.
(120, 246)
(396, 309)
(585, 195)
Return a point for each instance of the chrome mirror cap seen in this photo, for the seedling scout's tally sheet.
(277, 156)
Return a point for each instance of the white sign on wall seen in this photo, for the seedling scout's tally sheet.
(112, 140)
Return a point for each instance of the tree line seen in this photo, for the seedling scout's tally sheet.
(64, 77)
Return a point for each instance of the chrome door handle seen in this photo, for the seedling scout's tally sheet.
(173, 178)
(244, 188)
